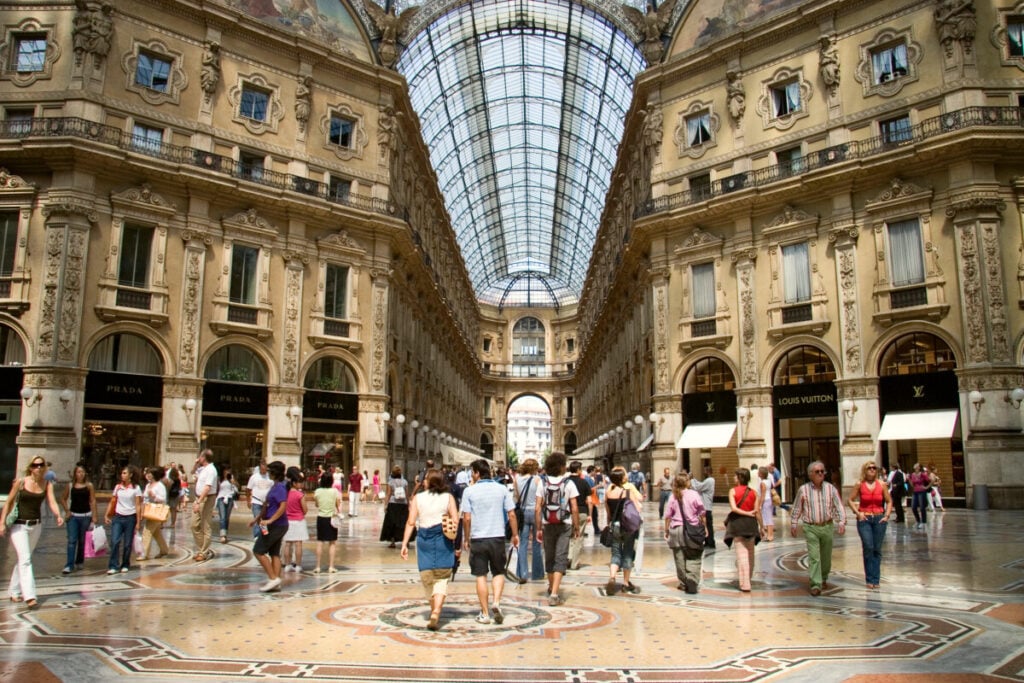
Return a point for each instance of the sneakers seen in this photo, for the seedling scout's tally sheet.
(332, 570)
(111, 572)
(293, 568)
(610, 587)
(483, 618)
(124, 570)
(270, 586)
(498, 616)
(66, 570)
(554, 600)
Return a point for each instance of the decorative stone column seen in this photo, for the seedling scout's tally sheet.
(373, 450)
(754, 432)
(757, 432)
(993, 443)
(179, 426)
(284, 425)
(667, 428)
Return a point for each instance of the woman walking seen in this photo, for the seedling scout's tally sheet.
(273, 526)
(872, 504)
(435, 552)
(920, 482)
(397, 513)
(764, 489)
(328, 504)
(27, 494)
(152, 529)
(623, 544)
(527, 485)
(742, 525)
(295, 512)
(685, 508)
(173, 493)
(226, 492)
(124, 515)
(80, 512)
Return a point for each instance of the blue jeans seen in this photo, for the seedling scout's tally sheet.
(662, 502)
(919, 506)
(77, 526)
(872, 534)
(224, 508)
(122, 530)
(257, 508)
(525, 531)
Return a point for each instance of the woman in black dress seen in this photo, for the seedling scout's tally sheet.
(397, 513)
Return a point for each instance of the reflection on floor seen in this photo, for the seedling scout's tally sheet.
(951, 602)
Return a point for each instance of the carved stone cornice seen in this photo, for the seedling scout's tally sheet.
(744, 256)
(9, 181)
(789, 216)
(975, 202)
(866, 388)
(899, 189)
(294, 257)
(249, 223)
(190, 236)
(70, 206)
(143, 196)
(55, 378)
(991, 378)
(843, 236)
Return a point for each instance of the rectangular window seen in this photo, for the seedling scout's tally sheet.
(147, 138)
(796, 273)
(897, 130)
(791, 161)
(136, 247)
(1015, 36)
(487, 345)
(569, 406)
(250, 166)
(487, 406)
(785, 98)
(254, 104)
(906, 257)
(243, 274)
(152, 72)
(18, 121)
(570, 345)
(341, 131)
(29, 52)
(700, 186)
(889, 63)
(336, 291)
(703, 290)
(339, 189)
(698, 129)
(8, 241)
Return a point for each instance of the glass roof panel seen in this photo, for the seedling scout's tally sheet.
(522, 107)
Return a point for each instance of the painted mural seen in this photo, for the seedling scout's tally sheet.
(326, 20)
(708, 20)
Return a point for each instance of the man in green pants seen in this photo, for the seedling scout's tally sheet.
(820, 507)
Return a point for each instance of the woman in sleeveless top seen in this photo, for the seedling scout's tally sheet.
(435, 553)
(872, 504)
(29, 492)
(623, 544)
(80, 511)
(745, 510)
(152, 529)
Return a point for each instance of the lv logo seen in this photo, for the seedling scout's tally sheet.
(919, 391)
(709, 407)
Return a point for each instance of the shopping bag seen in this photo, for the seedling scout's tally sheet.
(137, 545)
(91, 537)
(638, 560)
(512, 565)
(337, 521)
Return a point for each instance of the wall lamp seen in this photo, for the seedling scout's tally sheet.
(1015, 397)
(65, 398)
(31, 396)
(976, 399)
(744, 414)
(294, 414)
(190, 408)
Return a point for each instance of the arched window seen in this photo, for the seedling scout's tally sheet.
(235, 363)
(528, 348)
(331, 374)
(709, 374)
(915, 353)
(124, 352)
(804, 365)
(12, 349)
(569, 443)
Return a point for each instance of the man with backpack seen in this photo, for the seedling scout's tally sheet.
(576, 543)
(557, 519)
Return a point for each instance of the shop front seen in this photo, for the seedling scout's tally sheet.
(330, 420)
(806, 429)
(709, 433)
(11, 379)
(233, 425)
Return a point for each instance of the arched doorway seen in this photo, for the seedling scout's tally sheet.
(709, 419)
(527, 430)
(12, 359)
(487, 445)
(569, 444)
(235, 407)
(806, 418)
(919, 403)
(123, 404)
(330, 415)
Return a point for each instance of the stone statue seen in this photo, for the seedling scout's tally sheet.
(92, 29)
(651, 25)
(653, 126)
(209, 75)
(302, 100)
(736, 96)
(392, 28)
(828, 62)
(956, 21)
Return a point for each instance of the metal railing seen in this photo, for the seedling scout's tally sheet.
(969, 117)
(21, 129)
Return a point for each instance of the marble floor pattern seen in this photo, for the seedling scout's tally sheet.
(950, 609)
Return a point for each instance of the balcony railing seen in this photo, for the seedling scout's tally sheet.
(243, 315)
(133, 298)
(970, 117)
(905, 298)
(797, 313)
(703, 328)
(335, 328)
(63, 127)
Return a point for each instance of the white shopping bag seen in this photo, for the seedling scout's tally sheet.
(512, 566)
(137, 545)
(99, 538)
(639, 559)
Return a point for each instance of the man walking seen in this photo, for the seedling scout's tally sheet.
(706, 489)
(484, 506)
(355, 491)
(582, 502)
(202, 509)
(819, 506)
(256, 490)
(557, 520)
(637, 479)
(897, 491)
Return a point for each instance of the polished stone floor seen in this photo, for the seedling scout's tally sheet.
(950, 608)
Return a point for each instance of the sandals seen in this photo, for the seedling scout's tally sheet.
(15, 598)
(31, 603)
(434, 623)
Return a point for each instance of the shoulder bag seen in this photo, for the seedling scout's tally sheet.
(449, 525)
(608, 533)
(12, 516)
(741, 525)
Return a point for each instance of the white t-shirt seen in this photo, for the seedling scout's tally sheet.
(259, 485)
(207, 477)
(432, 507)
(570, 491)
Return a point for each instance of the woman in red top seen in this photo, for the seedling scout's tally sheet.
(871, 503)
(742, 525)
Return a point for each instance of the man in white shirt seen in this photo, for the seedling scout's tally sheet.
(557, 520)
(202, 509)
(259, 484)
(706, 489)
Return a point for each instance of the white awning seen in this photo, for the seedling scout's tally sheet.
(711, 435)
(924, 424)
(646, 442)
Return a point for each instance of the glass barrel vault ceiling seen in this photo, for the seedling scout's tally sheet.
(522, 105)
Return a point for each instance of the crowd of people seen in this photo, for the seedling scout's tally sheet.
(539, 513)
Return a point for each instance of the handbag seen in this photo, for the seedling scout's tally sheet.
(156, 512)
(776, 498)
(631, 520)
(449, 526)
(337, 521)
(12, 516)
(512, 566)
(606, 536)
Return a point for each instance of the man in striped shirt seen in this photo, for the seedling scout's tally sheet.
(819, 505)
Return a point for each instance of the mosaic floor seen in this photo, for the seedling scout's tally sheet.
(951, 608)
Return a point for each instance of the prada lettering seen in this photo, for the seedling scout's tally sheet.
(231, 398)
(329, 405)
(806, 400)
(123, 390)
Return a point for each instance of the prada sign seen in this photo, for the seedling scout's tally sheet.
(923, 391)
(804, 400)
(124, 389)
(237, 399)
(329, 405)
(711, 406)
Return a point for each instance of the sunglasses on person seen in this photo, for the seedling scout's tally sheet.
(37, 465)
(871, 467)
(817, 471)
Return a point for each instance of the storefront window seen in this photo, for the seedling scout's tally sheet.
(916, 353)
(235, 363)
(804, 365)
(331, 374)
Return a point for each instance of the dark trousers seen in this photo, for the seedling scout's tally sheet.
(709, 541)
(897, 505)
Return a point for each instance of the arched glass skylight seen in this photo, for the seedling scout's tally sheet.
(522, 106)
